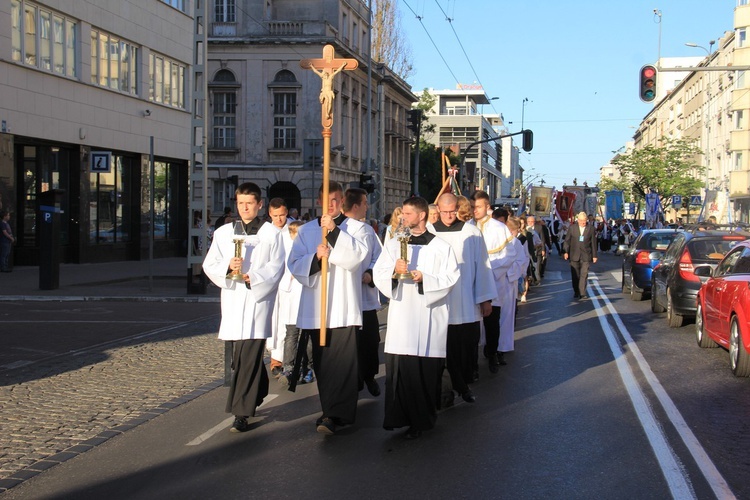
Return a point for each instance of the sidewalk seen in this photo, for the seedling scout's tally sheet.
(160, 280)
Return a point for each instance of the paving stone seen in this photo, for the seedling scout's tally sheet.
(76, 403)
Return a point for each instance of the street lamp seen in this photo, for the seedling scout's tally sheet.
(481, 111)
(523, 109)
(708, 110)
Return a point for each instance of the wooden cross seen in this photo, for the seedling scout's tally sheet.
(326, 68)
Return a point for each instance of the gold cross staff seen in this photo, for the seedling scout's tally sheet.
(326, 68)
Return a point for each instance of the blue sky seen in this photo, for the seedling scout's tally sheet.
(577, 62)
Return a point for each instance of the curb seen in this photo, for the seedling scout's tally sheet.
(114, 298)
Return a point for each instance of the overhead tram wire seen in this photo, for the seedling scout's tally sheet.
(468, 60)
(419, 18)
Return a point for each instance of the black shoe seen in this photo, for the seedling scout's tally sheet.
(240, 425)
(494, 363)
(372, 387)
(576, 295)
(412, 433)
(326, 426)
(469, 397)
(501, 359)
(475, 376)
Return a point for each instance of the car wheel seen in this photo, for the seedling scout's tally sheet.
(625, 287)
(636, 294)
(655, 306)
(739, 359)
(675, 320)
(700, 332)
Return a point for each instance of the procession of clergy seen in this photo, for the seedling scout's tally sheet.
(458, 279)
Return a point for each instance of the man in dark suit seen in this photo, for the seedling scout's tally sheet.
(580, 248)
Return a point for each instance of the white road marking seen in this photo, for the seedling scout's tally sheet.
(675, 475)
(224, 424)
(617, 275)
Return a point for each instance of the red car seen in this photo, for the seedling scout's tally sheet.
(723, 315)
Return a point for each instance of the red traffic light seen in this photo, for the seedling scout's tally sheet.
(648, 83)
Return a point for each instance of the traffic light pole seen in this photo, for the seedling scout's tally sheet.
(528, 143)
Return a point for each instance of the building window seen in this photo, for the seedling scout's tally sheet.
(225, 104)
(109, 209)
(166, 81)
(223, 90)
(224, 11)
(284, 120)
(43, 39)
(739, 119)
(741, 38)
(114, 63)
(177, 4)
(737, 160)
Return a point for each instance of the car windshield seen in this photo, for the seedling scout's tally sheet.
(656, 241)
(713, 249)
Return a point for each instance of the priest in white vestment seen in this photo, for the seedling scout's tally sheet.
(247, 304)
(415, 342)
(497, 238)
(335, 364)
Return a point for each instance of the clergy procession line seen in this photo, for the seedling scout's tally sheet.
(452, 274)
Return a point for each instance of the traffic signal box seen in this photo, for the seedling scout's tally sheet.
(366, 182)
(415, 121)
(648, 83)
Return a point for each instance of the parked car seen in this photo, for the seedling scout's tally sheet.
(674, 286)
(722, 317)
(640, 258)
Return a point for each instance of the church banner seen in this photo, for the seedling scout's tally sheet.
(653, 209)
(579, 205)
(564, 204)
(613, 204)
(540, 203)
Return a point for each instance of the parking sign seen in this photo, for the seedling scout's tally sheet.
(676, 200)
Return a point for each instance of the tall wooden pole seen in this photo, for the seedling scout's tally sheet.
(326, 68)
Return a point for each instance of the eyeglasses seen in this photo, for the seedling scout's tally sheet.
(449, 212)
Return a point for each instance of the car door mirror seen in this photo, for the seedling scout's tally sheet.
(623, 248)
(703, 271)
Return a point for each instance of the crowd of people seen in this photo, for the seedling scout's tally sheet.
(452, 275)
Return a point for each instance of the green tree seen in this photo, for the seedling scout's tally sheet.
(388, 43)
(430, 157)
(667, 170)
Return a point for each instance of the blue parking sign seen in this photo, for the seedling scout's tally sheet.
(676, 200)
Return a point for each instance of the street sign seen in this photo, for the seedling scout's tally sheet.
(101, 162)
(631, 208)
(695, 199)
(676, 200)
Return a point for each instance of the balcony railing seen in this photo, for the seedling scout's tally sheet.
(224, 29)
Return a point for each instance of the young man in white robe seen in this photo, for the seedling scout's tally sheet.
(278, 212)
(416, 336)
(335, 363)
(247, 304)
(470, 299)
(497, 238)
(368, 339)
(517, 270)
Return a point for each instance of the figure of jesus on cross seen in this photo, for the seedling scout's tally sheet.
(326, 68)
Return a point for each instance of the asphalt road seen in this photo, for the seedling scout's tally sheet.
(599, 400)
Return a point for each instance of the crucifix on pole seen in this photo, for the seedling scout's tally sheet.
(326, 68)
